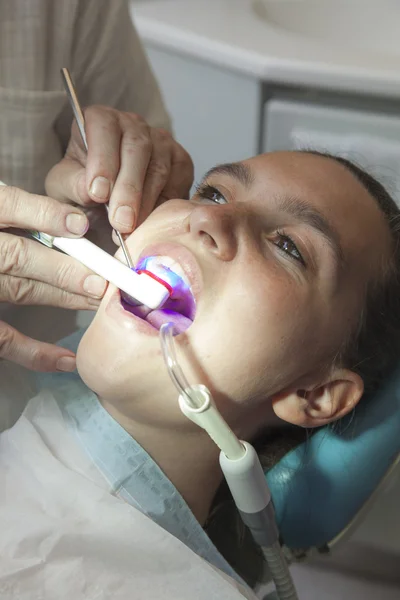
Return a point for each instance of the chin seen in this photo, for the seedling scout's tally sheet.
(91, 364)
(119, 371)
(131, 387)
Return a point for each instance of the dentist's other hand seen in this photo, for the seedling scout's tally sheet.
(30, 273)
(130, 165)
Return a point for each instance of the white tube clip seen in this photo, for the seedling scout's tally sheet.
(206, 415)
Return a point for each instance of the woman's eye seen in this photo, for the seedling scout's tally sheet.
(210, 193)
(287, 245)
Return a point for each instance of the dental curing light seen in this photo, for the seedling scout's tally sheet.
(143, 288)
(240, 465)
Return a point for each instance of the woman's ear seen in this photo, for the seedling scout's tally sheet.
(321, 404)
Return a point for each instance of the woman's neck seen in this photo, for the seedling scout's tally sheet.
(188, 458)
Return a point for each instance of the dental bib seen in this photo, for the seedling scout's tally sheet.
(86, 513)
(130, 472)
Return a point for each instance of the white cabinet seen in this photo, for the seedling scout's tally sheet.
(215, 112)
(370, 139)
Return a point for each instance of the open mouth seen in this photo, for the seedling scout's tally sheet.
(179, 309)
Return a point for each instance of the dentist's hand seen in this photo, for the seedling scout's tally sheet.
(30, 273)
(131, 165)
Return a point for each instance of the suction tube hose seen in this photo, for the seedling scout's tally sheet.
(246, 480)
(240, 466)
(279, 571)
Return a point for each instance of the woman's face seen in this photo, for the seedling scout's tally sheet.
(278, 250)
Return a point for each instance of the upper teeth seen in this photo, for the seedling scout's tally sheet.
(156, 263)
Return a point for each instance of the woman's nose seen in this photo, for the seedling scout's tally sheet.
(215, 227)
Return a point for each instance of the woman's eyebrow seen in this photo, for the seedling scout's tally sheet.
(306, 213)
(238, 171)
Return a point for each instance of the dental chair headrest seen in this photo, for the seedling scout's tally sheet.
(320, 486)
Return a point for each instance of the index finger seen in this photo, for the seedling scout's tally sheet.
(30, 211)
(103, 133)
(135, 157)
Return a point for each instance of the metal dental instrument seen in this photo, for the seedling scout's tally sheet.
(73, 99)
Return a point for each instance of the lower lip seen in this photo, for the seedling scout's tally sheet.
(127, 320)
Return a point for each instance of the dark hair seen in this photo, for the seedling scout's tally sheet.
(372, 349)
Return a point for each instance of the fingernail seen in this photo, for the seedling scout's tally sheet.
(125, 216)
(95, 285)
(66, 363)
(77, 224)
(100, 188)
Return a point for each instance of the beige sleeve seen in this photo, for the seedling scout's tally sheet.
(110, 67)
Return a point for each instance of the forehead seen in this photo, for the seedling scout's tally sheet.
(323, 181)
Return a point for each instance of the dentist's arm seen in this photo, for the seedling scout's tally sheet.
(33, 274)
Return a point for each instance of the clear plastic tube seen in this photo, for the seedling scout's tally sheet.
(174, 370)
(196, 402)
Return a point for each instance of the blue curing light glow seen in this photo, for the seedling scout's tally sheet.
(180, 307)
(163, 272)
